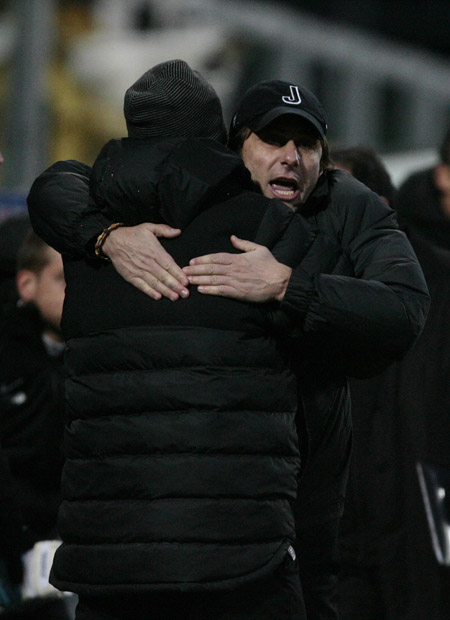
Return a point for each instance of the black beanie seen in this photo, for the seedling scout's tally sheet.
(171, 100)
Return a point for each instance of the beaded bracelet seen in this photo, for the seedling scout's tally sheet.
(102, 238)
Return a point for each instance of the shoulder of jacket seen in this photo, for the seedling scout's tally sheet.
(126, 167)
(209, 160)
(351, 207)
(351, 199)
(345, 187)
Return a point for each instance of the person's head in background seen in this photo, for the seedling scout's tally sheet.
(441, 174)
(12, 232)
(40, 281)
(279, 130)
(170, 100)
(364, 163)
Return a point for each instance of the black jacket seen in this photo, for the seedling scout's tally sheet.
(181, 450)
(12, 544)
(31, 420)
(402, 417)
(373, 299)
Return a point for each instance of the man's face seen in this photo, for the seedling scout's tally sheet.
(50, 287)
(45, 290)
(284, 159)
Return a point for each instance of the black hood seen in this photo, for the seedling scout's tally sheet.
(168, 181)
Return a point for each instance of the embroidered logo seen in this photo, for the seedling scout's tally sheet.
(291, 552)
(294, 98)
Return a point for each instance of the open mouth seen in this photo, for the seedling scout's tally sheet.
(285, 189)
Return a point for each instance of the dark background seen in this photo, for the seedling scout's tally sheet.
(423, 23)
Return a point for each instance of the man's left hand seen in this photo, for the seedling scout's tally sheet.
(255, 275)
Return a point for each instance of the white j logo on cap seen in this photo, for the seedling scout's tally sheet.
(295, 98)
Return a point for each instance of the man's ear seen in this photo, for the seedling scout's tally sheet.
(26, 282)
(442, 178)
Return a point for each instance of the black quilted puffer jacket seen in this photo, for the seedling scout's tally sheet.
(182, 453)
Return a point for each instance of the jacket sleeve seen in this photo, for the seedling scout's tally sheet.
(59, 210)
(381, 306)
(132, 181)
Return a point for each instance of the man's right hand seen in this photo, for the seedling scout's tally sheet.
(140, 259)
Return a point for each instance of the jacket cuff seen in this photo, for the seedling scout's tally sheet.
(89, 231)
(298, 296)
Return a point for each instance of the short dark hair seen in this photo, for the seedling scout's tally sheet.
(236, 142)
(33, 254)
(444, 150)
(366, 165)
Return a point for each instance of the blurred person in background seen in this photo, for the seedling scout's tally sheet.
(279, 129)
(401, 418)
(32, 413)
(424, 199)
(423, 208)
(11, 533)
(366, 165)
(13, 230)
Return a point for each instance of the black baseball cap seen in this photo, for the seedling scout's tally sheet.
(266, 101)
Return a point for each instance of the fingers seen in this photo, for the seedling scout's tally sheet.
(158, 261)
(209, 280)
(155, 292)
(160, 279)
(172, 275)
(243, 244)
(145, 288)
(220, 291)
(209, 269)
(220, 258)
(164, 230)
(146, 273)
(140, 258)
(150, 285)
(225, 258)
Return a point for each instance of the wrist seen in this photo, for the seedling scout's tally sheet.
(283, 281)
(103, 240)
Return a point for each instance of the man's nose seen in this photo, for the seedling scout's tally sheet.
(290, 154)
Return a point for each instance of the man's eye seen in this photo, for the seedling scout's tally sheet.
(272, 138)
(273, 141)
(304, 144)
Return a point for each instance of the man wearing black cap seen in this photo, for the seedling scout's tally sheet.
(348, 317)
(356, 319)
